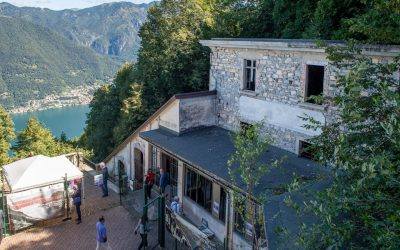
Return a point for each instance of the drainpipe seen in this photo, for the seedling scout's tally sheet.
(228, 244)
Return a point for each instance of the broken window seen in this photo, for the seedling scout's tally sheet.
(249, 75)
(199, 189)
(315, 82)
(306, 150)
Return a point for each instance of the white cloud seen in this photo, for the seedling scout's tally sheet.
(66, 4)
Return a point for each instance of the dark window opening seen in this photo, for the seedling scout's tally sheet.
(244, 126)
(199, 189)
(171, 168)
(249, 75)
(222, 205)
(315, 82)
(306, 150)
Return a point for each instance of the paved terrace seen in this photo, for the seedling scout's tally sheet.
(68, 235)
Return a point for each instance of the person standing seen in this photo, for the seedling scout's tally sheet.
(150, 177)
(142, 231)
(105, 178)
(77, 202)
(163, 181)
(176, 206)
(101, 235)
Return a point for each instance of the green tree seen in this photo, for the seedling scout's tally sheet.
(63, 137)
(171, 60)
(34, 139)
(6, 135)
(380, 23)
(101, 120)
(329, 17)
(246, 171)
(361, 209)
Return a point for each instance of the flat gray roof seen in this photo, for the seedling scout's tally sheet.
(208, 150)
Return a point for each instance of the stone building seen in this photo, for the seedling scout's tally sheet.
(251, 80)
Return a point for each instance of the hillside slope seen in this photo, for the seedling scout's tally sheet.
(36, 62)
(109, 29)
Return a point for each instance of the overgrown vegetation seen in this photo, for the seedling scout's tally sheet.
(246, 172)
(361, 210)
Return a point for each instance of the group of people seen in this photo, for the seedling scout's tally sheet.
(101, 235)
(149, 180)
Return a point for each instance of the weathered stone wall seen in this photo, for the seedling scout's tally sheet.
(280, 78)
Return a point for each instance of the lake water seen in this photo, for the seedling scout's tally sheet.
(70, 119)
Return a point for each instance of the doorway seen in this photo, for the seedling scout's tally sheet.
(170, 166)
(138, 159)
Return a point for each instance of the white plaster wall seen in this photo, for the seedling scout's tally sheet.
(240, 243)
(196, 213)
(278, 114)
(169, 118)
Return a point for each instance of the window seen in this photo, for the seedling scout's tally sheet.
(315, 81)
(154, 158)
(306, 150)
(249, 75)
(171, 167)
(245, 212)
(199, 189)
(222, 205)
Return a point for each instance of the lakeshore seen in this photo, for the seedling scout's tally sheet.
(75, 97)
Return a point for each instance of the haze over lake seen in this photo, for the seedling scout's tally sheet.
(70, 119)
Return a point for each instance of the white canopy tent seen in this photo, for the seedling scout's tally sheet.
(39, 171)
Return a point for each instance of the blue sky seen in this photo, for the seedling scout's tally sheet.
(65, 4)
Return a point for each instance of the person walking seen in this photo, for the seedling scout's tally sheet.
(142, 231)
(150, 177)
(101, 235)
(105, 178)
(163, 181)
(77, 202)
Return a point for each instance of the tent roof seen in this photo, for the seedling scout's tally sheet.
(39, 171)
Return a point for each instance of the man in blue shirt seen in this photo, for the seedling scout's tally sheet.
(163, 180)
(105, 178)
(101, 235)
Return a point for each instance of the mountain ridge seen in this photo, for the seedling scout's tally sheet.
(109, 29)
(37, 62)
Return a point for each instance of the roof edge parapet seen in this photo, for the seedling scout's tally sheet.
(302, 45)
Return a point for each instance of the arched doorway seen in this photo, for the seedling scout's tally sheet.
(138, 159)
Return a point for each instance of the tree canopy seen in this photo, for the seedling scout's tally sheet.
(361, 208)
(6, 135)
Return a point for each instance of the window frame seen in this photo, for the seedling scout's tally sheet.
(195, 189)
(307, 79)
(246, 86)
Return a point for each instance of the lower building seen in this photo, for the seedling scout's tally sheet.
(183, 139)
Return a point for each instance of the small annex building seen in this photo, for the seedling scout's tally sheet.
(37, 188)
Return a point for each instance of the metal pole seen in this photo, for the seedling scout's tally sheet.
(67, 197)
(3, 202)
(161, 228)
(145, 208)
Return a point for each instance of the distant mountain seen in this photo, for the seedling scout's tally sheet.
(109, 29)
(36, 62)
